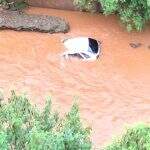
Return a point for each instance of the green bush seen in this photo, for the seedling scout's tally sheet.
(135, 138)
(13, 4)
(23, 126)
(85, 5)
(133, 13)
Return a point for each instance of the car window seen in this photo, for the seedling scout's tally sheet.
(85, 55)
(76, 55)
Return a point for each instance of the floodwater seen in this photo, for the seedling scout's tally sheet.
(112, 91)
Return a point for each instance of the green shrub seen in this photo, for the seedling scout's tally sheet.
(135, 138)
(13, 4)
(85, 5)
(23, 126)
(133, 13)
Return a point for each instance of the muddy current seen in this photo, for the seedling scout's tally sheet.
(112, 91)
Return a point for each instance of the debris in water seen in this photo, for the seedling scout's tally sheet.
(135, 45)
(82, 47)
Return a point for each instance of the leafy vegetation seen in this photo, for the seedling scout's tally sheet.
(133, 13)
(85, 5)
(135, 138)
(13, 4)
(23, 126)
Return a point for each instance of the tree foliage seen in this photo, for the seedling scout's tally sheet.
(23, 126)
(133, 13)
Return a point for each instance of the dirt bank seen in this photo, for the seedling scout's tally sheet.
(112, 91)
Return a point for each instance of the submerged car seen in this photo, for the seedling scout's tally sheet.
(82, 47)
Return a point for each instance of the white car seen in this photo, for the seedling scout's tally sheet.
(82, 47)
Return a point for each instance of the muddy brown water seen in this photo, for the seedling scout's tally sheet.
(113, 91)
